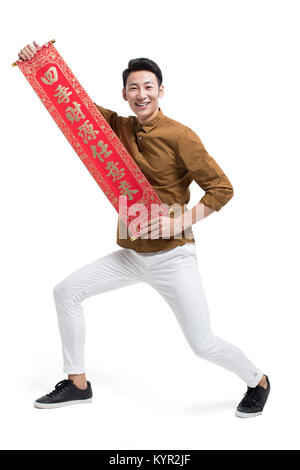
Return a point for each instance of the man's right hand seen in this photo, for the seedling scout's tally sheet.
(28, 51)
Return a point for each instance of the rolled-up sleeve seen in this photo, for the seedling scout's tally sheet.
(204, 170)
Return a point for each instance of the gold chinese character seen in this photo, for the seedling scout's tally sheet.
(63, 96)
(124, 186)
(50, 76)
(88, 132)
(115, 172)
(104, 151)
(74, 114)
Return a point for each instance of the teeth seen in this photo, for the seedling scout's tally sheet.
(142, 105)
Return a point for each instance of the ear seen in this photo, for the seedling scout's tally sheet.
(124, 94)
(161, 91)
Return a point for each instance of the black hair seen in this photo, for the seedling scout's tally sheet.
(142, 64)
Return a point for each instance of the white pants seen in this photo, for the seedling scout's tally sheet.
(175, 276)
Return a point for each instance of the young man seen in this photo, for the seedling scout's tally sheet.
(171, 156)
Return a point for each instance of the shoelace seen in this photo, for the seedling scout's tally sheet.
(251, 397)
(64, 384)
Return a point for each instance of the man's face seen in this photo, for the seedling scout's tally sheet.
(142, 87)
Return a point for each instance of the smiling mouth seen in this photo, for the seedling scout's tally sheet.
(142, 105)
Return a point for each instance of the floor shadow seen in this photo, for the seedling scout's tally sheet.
(138, 392)
(208, 407)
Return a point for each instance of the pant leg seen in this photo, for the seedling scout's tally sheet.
(175, 275)
(113, 271)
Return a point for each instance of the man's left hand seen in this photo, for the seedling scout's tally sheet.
(162, 226)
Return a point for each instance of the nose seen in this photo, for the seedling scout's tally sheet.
(141, 94)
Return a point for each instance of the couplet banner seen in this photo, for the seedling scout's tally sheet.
(90, 135)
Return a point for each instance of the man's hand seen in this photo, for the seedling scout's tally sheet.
(162, 226)
(168, 226)
(28, 51)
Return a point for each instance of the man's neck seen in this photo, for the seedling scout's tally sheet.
(149, 118)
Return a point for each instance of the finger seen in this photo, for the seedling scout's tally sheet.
(143, 232)
(30, 49)
(21, 56)
(155, 220)
(144, 226)
(25, 52)
(149, 229)
(25, 55)
(36, 44)
(155, 226)
(145, 235)
(153, 232)
(154, 235)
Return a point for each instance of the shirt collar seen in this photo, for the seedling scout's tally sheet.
(148, 126)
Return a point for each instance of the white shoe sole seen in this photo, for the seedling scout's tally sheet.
(247, 415)
(59, 405)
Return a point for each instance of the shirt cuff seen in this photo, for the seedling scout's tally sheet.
(212, 202)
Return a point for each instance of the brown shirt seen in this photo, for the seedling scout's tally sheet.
(171, 156)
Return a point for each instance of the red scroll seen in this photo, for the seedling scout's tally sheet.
(90, 135)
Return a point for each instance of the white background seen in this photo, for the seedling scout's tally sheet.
(231, 73)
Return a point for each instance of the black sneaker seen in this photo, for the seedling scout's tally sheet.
(65, 393)
(253, 401)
